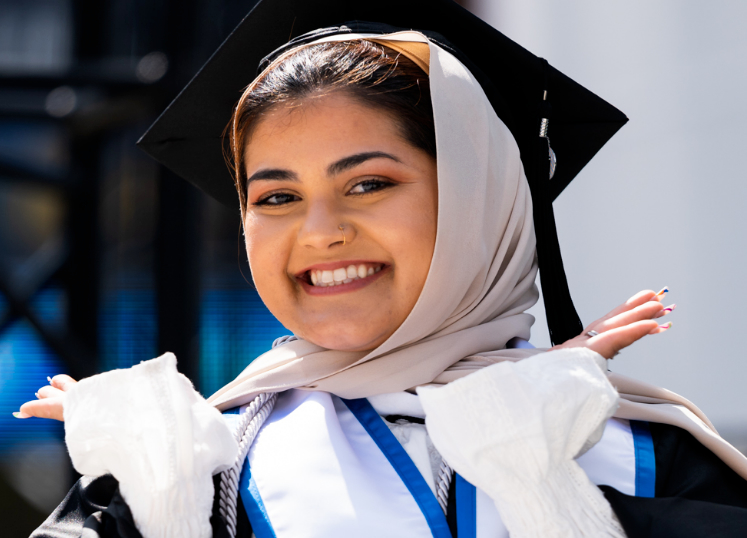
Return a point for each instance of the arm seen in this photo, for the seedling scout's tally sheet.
(148, 428)
(515, 429)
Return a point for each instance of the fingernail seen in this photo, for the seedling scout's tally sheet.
(659, 296)
(49, 379)
(664, 311)
(665, 326)
(37, 395)
(19, 414)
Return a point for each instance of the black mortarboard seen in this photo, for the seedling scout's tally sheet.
(525, 91)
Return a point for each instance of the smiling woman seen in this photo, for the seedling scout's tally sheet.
(396, 208)
(359, 120)
(349, 167)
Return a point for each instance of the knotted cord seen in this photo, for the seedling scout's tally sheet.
(443, 484)
(246, 431)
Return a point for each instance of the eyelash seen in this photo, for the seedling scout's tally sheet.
(265, 201)
(382, 184)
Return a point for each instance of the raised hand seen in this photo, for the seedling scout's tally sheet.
(50, 398)
(624, 325)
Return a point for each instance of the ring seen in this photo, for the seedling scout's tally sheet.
(592, 333)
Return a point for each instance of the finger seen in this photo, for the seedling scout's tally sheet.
(47, 408)
(609, 343)
(661, 328)
(637, 300)
(62, 382)
(49, 392)
(661, 294)
(648, 310)
(666, 310)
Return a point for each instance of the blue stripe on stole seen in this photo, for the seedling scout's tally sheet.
(253, 504)
(645, 460)
(250, 497)
(466, 506)
(400, 460)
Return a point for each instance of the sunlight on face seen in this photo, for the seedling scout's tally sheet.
(313, 168)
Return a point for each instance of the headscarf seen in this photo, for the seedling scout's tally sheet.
(481, 278)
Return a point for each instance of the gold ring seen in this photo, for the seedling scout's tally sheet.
(342, 229)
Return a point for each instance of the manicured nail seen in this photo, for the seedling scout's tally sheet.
(19, 414)
(665, 326)
(664, 311)
(659, 296)
(49, 379)
(37, 395)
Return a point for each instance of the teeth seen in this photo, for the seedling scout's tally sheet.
(342, 275)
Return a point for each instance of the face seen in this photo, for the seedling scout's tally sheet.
(326, 163)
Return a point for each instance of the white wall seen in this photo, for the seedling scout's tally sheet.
(664, 202)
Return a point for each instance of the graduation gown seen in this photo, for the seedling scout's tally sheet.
(694, 493)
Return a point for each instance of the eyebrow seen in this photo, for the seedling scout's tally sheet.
(359, 158)
(346, 163)
(273, 173)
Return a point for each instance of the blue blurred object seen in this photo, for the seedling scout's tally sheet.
(128, 326)
(236, 328)
(25, 363)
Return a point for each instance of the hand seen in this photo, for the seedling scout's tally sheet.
(624, 325)
(50, 398)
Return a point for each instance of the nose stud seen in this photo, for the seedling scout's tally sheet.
(341, 227)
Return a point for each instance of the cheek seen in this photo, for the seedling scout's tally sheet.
(267, 257)
(411, 229)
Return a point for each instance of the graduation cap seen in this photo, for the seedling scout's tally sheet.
(537, 103)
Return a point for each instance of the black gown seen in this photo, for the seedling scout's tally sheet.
(697, 495)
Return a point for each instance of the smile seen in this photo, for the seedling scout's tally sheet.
(342, 275)
(346, 276)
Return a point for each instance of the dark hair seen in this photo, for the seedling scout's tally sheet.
(371, 73)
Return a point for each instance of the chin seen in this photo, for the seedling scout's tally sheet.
(346, 342)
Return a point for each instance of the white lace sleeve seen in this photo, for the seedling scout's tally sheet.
(157, 436)
(514, 429)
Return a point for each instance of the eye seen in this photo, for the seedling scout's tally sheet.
(277, 199)
(370, 185)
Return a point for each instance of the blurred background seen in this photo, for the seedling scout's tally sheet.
(107, 259)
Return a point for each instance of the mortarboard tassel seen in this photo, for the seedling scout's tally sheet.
(562, 318)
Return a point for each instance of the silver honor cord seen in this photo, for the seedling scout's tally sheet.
(443, 484)
(249, 424)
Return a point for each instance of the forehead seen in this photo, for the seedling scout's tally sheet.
(320, 128)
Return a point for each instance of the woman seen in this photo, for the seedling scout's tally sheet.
(389, 224)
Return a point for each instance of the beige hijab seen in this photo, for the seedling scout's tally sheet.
(481, 279)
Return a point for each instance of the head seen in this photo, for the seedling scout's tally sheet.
(335, 163)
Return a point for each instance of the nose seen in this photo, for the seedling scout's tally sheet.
(325, 226)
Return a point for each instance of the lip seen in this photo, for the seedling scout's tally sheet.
(340, 288)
